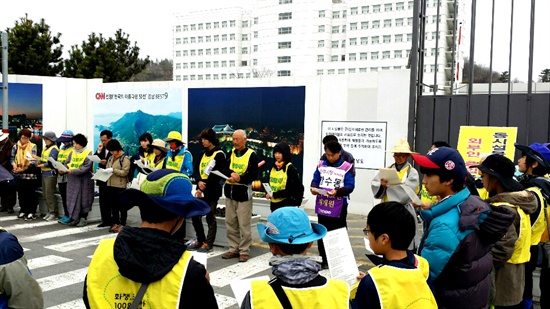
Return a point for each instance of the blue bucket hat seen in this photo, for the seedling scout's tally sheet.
(66, 136)
(290, 225)
(167, 189)
(539, 152)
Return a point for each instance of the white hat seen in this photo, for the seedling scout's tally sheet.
(402, 146)
(3, 136)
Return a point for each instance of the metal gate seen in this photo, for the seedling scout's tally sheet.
(439, 117)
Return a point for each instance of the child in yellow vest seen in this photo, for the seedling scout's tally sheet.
(399, 279)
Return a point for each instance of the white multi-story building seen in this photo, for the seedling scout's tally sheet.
(315, 37)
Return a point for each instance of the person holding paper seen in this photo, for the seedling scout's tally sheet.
(399, 278)
(8, 194)
(119, 165)
(347, 156)
(242, 170)
(144, 154)
(209, 188)
(297, 280)
(284, 180)
(80, 186)
(459, 232)
(49, 175)
(105, 136)
(408, 177)
(334, 176)
(24, 170)
(150, 258)
(178, 158)
(66, 140)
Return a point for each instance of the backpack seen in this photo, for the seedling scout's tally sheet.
(130, 176)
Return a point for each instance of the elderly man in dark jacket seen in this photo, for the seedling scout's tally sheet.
(7, 194)
(459, 232)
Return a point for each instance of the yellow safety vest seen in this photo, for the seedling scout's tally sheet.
(64, 154)
(403, 288)
(425, 197)
(175, 164)
(77, 159)
(239, 164)
(540, 223)
(160, 164)
(205, 160)
(483, 194)
(544, 237)
(44, 157)
(522, 252)
(334, 294)
(277, 181)
(148, 158)
(107, 288)
(403, 173)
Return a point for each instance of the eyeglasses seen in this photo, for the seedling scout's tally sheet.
(366, 231)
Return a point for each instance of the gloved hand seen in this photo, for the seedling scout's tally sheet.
(109, 170)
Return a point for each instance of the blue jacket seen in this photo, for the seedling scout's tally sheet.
(459, 256)
(349, 180)
(187, 164)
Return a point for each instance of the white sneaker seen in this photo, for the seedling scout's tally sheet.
(52, 217)
(30, 217)
(21, 215)
(47, 217)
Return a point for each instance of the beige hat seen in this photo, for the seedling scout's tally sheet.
(159, 144)
(402, 146)
(3, 136)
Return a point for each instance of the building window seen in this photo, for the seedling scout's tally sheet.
(224, 76)
(200, 39)
(193, 27)
(245, 50)
(285, 30)
(376, 8)
(354, 11)
(283, 72)
(232, 37)
(374, 55)
(178, 66)
(385, 68)
(397, 54)
(192, 52)
(320, 58)
(386, 38)
(216, 51)
(178, 28)
(283, 59)
(322, 13)
(285, 16)
(319, 72)
(185, 28)
(255, 34)
(334, 44)
(216, 76)
(216, 25)
(199, 65)
(321, 43)
(344, 29)
(283, 45)
(245, 24)
(193, 40)
(199, 52)
(334, 58)
(254, 61)
(231, 63)
(255, 20)
(408, 53)
(216, 64)
(255, 48)
(387, 23)
(364, 40)
(178, 78)
(363, 56)
(207, 76)
(410, 5)
(409, 21)
(398, 38)
(335, 29)
(207, 64)
(365, 9)
(344, 13)
(352, 57)
(185, 65)
(375, 24)
(386, 54)
(353, 26)
(351, 71)
(285, 1)
(409, 37)
(397, 67)
(322, 28)
(224, 24)
(388, 7)
(364, 25)
(216, 38)
(208, 38)
(185, 40)
(336, 14)
(185, 53)
(192, 65)
(178, 41)
(178, 53)
(244, 63)
(343, 44)
(244, 37)
(374, 69)
(224, 50)
(224, 37)
(362, 70)
(375, 40)
(341, 71)
(201, 26)
(232, 50)
(399, 22)
(208, 26)
(353, 41)
(330, 72)
(232, 23)
(400, 6)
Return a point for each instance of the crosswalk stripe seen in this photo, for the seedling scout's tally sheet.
(30, 225)
(73, 304)
(67, 231)
(62, 280)
(8, 218)
(224, 276)
(79, 243)
(225, 301)
(46, 261)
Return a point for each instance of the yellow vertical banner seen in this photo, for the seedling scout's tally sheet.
(474, 142)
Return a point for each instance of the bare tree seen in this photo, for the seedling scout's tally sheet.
(482, 74)
(261, 72)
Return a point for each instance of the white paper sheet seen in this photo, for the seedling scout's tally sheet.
(320, 191)
(57, 165)
(241, 287)
(390, 174)
(267, 188)
(340, 258)
(218, 173)
(102, 175)
(145, 168)
(200, 257)
(94, 158)
(29, 157)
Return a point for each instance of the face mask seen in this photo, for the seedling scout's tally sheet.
(173, 146)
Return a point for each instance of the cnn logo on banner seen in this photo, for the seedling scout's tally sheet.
(100, 96)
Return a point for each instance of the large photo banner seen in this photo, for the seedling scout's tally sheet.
(365, 140)
(474, 142)
(130, 112)
(269, 115)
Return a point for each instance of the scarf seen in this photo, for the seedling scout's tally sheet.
(79, 150)
(295, 269)
(20, 156)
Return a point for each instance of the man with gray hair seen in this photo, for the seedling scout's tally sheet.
(243, 169)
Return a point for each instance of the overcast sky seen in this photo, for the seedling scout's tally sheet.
(149, 23)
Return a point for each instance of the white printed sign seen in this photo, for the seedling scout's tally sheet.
(365, 140)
